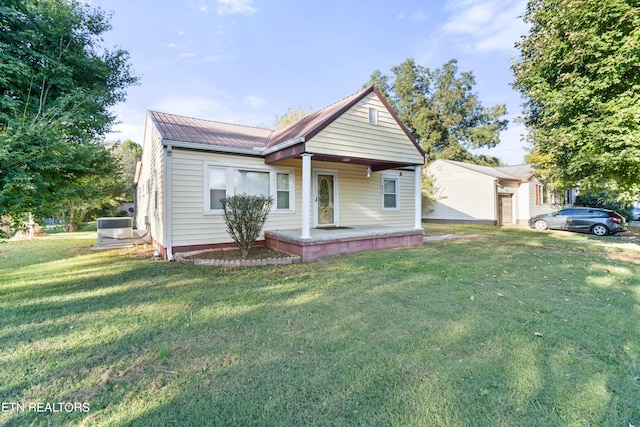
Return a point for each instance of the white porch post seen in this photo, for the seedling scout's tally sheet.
(306, 196)
(418, 197)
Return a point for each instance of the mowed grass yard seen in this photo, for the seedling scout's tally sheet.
(505, 327)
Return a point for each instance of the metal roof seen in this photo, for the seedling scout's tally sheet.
(225, 135)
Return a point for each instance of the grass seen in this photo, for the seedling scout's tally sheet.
(505, 327)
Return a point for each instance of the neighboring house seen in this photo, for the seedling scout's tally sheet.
(489, 195)
(350, 164)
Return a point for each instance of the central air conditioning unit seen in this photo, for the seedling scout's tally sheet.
(110, 230)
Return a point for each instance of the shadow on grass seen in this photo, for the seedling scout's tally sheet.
(439, 335)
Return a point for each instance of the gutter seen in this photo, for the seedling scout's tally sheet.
(256, 151)
(282, 145)
(208, 147)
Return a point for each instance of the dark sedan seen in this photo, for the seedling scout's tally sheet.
(600, 222)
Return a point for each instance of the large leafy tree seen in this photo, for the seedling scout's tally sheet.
(99, 194)
(441, 110)
(57, 85)
(579, 73)
(293, 115)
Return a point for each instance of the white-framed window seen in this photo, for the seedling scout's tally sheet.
(223, 180)
(373, 116)
(252, 183)
(217, 187)
(283, 192)
(390, 192)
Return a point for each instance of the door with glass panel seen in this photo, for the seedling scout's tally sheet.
(325, 199)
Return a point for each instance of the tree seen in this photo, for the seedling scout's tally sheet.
(56, 87)
(579, 74)
(127, 154)
(293, 115)
(441, 110)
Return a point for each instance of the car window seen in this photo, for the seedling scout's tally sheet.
(568, 212)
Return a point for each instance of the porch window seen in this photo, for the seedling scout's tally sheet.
(282, 191)
(390, 186)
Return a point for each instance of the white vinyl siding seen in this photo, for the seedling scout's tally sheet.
(351, 135)
(464, 195)
(150, 214)
(359, 197)
(193, 223)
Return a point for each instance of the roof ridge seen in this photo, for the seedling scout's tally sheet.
(211, 121)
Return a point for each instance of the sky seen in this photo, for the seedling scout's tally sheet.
(248, 61)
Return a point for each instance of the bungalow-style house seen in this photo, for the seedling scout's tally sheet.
(503, 195)
(343, 179)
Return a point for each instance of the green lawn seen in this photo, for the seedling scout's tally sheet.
(505, 327)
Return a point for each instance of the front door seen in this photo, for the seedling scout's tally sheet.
(325, 201)
(506, 209)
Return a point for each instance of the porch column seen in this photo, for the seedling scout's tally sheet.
(418, 197)
(306, 196)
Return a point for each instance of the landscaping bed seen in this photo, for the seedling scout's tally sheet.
(232, 257)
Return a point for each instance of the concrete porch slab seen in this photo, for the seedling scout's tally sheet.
(330, 242)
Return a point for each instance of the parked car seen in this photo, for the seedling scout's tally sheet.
(636, 214)
(600, 222)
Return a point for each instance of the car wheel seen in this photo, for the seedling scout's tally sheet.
(541, 225)
(600, 230)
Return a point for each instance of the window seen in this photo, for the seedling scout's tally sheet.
(390, 193)
(282, 191)
(222, 180)
(217, 187)
(543, 195)
(252, 183)
(373, 116)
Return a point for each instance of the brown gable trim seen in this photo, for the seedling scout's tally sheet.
(286, 153)
(397, 119)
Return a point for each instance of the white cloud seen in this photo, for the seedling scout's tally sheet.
(235, 7)
(254, 101)
(199, 5)
(196, 106)
(417, 17)
(412, 17)
(486, 25)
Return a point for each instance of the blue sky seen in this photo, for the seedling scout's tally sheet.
(246, 61)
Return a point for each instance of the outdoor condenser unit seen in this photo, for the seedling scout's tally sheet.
(110, 230)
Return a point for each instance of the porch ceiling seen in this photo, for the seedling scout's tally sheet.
(297, 150)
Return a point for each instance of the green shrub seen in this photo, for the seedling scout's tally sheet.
(245, 216)
(605, 201)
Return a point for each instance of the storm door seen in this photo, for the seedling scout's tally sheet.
(325, 200)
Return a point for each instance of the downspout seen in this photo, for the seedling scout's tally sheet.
(418, 197)
(168, 203)
(496, 208)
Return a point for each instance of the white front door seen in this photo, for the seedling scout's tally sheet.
(325, 199)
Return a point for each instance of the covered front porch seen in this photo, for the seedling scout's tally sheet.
(324, 242)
